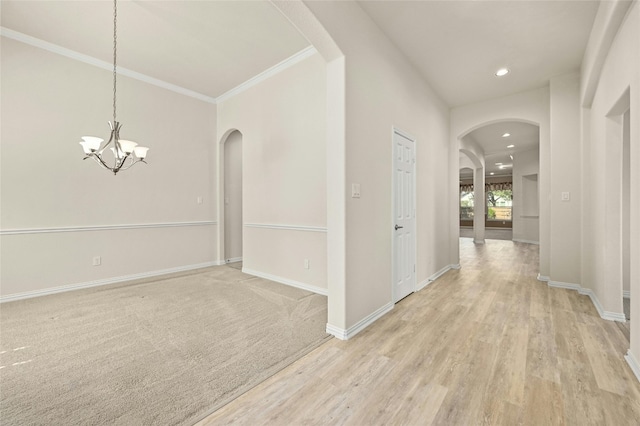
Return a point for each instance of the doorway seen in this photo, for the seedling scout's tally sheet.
(404, 216)
(232, 197)
(626, 216)
(618, 210)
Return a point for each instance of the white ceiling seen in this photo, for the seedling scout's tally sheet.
(523, 136)
(209, 47)
(458, 45)
(212, 46)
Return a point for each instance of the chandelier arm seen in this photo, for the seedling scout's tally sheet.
(98, 159)
(134, 162)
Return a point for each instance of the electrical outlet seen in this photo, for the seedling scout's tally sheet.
(306, 264)
(97, 261)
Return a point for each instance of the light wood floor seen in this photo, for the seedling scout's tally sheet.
(488, 344)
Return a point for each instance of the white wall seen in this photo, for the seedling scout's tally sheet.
(48, 102)
(526, 197)
(383, 90)
(619, 80)
(565, 238)
(283, 126)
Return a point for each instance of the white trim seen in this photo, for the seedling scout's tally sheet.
(338, 332)
(286, 227)
(607, 315)
(610, 316)
(70, 287)
(72, 54)
(292, 60)
(626, 294)
(437, 275)
(633, 363)
(104, 227)
(543, 278)
(518, 240)
(287, 281)
(421, 285)
(233, 260)
(347, 334)
(568, 286)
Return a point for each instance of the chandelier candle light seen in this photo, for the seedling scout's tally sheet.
(126, 153)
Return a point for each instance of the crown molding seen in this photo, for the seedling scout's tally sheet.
(292, 60)
(72, 54)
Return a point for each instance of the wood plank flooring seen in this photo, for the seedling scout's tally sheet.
(488, 344)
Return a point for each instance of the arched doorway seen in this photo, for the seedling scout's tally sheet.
(509, 151)
(230, 201)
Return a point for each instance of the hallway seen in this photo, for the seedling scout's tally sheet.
(486, 344)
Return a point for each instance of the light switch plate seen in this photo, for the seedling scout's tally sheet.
(355, 190)
(565, 196)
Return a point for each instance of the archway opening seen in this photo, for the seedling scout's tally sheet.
(509, 151)
(231, 211)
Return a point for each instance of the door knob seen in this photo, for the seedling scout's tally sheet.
(399, 227)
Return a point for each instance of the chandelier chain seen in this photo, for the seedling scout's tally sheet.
(115, 50)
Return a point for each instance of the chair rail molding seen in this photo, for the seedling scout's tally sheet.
(104, 227)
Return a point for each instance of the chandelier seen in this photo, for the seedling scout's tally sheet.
(125, 153)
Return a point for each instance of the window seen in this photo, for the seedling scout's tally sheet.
(466, 204)
(499, 203)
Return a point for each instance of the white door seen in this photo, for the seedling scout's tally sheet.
(404, 228)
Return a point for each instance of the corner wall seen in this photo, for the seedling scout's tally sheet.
(59, 212)
(284, 174)
(382, 91)
(617, 81)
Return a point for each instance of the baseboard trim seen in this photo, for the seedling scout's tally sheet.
(233, 260)
(478, 241)
(123, 278)
(626, 294)
(518, 240)
(610, 316)
(421, 285)
(560, 284)
(347, 334)
(437, 275)
(633, 363)
(287, 281)
(543, 278)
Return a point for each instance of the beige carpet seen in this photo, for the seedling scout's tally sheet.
(159, 352)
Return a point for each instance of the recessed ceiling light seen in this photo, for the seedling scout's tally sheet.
(502, 72)
(506, 135)
(510, 146)
(492, 173)
(498, 164)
